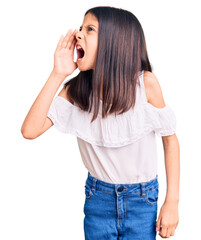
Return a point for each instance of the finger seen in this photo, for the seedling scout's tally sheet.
(59, 43)
(158, 224)
(172, 232)
(75, 39)
(65, 40)
(163, 231)
(168, 233)
(71, 39)
(72, 46)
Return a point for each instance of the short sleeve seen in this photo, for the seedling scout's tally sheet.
(164, 120)
(161, 120)
(114, 131)
(60, 112)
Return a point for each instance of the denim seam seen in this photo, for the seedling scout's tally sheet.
(125, 193)
(133, 193)
(88, 196)
(89, 192)
(125, 212)
(114, 194)
(147, 200)
(105, 192)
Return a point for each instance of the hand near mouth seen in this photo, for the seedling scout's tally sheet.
(64, 64)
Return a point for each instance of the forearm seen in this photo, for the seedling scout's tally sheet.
(37, 114)
(172, 165)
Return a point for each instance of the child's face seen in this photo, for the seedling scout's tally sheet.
(87, 38)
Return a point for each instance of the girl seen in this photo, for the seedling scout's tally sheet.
(114, 107)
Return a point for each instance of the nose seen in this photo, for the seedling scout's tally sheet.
(79, 35)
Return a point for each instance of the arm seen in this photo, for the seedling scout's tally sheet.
(169, 214)
(172, 165)
(36, 119)
(168, 217)
(170, 143)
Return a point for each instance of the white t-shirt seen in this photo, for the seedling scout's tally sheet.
(121, 149)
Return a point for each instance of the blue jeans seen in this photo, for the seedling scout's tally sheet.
(120, 211)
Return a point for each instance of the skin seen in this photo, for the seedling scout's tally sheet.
(87, 37)
(37, 122)
(168, 218)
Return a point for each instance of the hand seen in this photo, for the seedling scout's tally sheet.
(168, 219)
(64, 54)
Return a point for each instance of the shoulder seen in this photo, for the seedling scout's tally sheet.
(64, 93)
(153, 89)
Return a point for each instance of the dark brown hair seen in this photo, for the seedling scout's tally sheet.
(121, 56)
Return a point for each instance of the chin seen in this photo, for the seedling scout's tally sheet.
(85, 68)
(82, 69)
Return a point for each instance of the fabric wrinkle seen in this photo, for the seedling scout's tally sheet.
(114, 147)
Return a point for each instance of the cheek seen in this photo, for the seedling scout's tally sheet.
(95, 47)
(92, 51)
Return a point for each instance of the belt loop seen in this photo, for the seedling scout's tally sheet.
(94, 184)
(142, 189)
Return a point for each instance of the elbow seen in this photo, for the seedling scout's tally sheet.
(27, 134)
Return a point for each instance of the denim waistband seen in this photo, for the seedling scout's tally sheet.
(95, 183)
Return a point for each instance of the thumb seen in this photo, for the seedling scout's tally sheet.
(158, 224)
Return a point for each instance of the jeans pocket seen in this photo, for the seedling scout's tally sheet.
(152, 196)
(88, 192)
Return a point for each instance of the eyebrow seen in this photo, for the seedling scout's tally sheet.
(88, 26)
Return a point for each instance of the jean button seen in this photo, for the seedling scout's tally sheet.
(120, 189)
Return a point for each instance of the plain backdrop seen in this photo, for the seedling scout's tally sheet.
(42, 180)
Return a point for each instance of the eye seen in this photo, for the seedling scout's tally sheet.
(90, 28)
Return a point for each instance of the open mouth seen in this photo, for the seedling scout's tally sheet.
(80, 54)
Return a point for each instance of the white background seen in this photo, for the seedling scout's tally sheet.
(42, 180)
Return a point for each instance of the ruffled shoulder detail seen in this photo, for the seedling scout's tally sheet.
(164, 120)
(114, 131)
